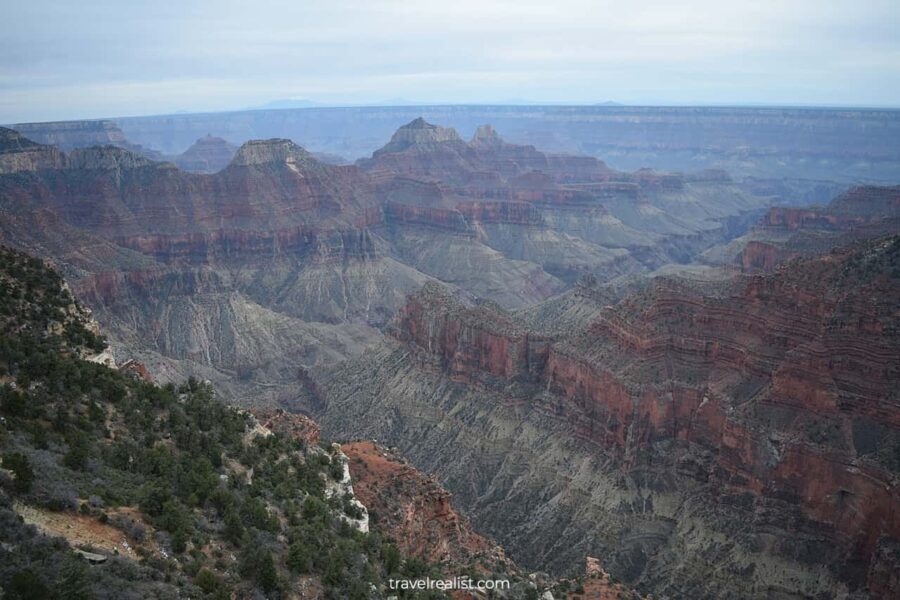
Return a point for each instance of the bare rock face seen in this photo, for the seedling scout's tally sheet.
(280, 261)
(324, 255)
(419, 133)
(469, 340)
(517, 160)
(414, 508)
(208, 154)
(274, 151)
(106, 158)
(764, 257)
(787, 232)
(238, 276)
(729, 436)
(598, 585)
(511, 213)
(292, 425)
(425, 150)
(18, 154)
(762, 412)
(68, 135)
(486, 135)
(136, 370)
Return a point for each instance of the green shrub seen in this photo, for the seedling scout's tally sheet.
(21, 468)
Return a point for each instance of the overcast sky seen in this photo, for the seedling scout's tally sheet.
(104, 58)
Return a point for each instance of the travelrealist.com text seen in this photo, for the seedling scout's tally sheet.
(454, 583)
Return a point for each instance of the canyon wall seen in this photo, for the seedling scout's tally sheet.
(751, 423)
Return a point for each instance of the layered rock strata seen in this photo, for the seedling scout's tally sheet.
(751, 423)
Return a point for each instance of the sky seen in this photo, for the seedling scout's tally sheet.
(107, 58)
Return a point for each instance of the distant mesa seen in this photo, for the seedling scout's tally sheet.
(276, 150)
(19, 154)
(69, 135)
(846, 145)
(209, 154)
(419, 132)
(424, 150)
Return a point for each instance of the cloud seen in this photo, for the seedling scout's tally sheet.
(103, 58)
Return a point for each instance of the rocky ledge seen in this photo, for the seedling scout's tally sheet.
(414, 508)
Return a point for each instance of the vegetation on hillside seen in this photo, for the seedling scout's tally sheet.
(209, 509)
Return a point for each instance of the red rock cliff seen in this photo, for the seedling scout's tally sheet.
(788, 380)
(413, 508)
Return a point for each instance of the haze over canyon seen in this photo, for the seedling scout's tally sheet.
(660, 340)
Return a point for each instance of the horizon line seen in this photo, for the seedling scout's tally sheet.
(607, 105)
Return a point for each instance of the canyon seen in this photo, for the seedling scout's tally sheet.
(749, 425)
(689, 376)
(810, 144)
(279, 262)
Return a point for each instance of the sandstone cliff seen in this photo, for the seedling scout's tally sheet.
(750, 424)
(787, 232)
(18, 154)
(69, 135)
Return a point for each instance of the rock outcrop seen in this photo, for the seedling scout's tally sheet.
(425, 150)
(208, 154)
(415, 509)
(20, 154)
(417, 134)
(292, 425)
(69, 135)
(279, 261)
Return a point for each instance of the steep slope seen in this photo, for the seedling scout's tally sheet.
(788, 232)
(130, 471)
(736, 438)
(425, 150)
(237, 277)
(414, 508)
(113, 487)
(19, 154)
